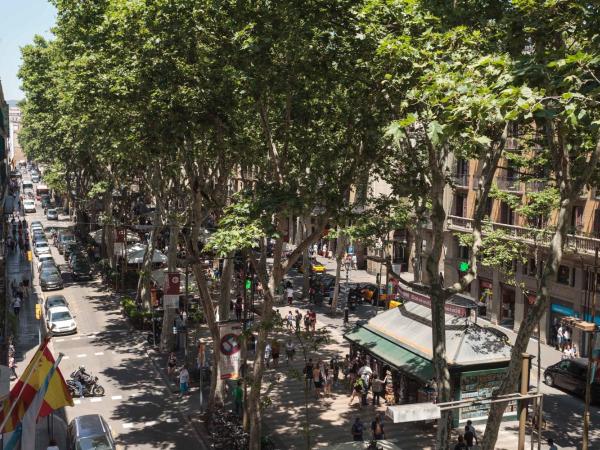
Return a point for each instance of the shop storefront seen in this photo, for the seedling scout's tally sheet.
(400, 340)
(507, 309)
(485, 298)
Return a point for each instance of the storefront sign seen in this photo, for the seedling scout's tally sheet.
(425, 300)
(230, 349)
(564, 310)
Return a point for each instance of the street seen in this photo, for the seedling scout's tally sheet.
(140, 410)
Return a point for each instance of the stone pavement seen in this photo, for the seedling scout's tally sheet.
(288, 404)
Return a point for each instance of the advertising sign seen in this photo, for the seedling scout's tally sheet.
(230, 349)
(172, 283)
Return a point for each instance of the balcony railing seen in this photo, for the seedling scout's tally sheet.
(512, 184)
(573, 242)
(461, 180)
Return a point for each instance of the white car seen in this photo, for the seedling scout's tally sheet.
(44, 257)
(36, 229)
(40, 248)
(29, 206)
(59, 320)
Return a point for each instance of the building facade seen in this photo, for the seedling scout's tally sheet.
(507, 301)
(15, 151)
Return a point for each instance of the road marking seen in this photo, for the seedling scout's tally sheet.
(95, 400)
(59, 340)
(65, 357)
(127, 425)
(172, 420)
(82, 355)
(76, 401)
(116, 397)
(151, 423)
(98, 353)
(76, 338)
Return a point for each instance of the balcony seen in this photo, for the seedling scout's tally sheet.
(535, 186)
(576, 243)
(461, 180)
(511, 184)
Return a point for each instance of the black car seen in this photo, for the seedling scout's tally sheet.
(64, 238)
(571, 375)
(69, 248)
(81, 269)
(50, 278)
(90, 432)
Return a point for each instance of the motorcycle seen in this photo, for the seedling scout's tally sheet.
(91, 388)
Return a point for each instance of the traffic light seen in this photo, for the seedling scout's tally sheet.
(248, 284)
(38, 311)
(463, 266)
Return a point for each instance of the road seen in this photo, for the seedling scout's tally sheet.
(137, 405)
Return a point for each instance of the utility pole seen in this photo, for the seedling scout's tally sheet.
(590, 349)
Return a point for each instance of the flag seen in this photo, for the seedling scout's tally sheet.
(31, 381)
(25, 431)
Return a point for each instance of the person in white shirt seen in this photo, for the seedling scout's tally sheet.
(184, 379)
(290, 294)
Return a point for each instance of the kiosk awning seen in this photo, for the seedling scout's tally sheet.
(392, 353)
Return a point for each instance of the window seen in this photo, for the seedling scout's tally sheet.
(597, 222)
(462, 167)
(562, 276)
(577, 217)
(463, 252)
(489, 204)
(507, 215)
(460, 205)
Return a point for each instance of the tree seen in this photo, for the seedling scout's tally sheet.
(453, 100)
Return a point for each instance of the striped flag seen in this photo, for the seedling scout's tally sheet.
(22, 395)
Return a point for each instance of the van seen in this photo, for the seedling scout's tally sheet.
(89, 432)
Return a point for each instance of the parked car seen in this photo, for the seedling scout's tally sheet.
(48, 264)
(56, 300)
(29, 206)
(90, 432)
(74, 256)
(571, 375)
(52, 214)
(60, 320)
(36, 224)
(41, 247)
(81, 269)
(38, 236)
(63, 238)
(70, 247)
(44, 257)
(50, 279)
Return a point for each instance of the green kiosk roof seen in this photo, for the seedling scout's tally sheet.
(392, 353)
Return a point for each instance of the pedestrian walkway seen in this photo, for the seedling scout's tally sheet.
(28, 334)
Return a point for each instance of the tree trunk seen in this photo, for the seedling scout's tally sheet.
(511, 378)
(270, 284)
(144, 281)
(109, 229)
(167, 337)
(438, 312)
(339, 253)
(305, 257)
(225, 288)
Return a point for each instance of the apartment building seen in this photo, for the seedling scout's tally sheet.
(507, 300)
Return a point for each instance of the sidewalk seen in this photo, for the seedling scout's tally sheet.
(28, 338)
(548, 355)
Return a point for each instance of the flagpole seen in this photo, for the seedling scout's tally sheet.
(25, 383)
(28, 440)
